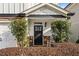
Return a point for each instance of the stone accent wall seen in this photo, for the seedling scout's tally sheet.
(46, 40)
(31, 41)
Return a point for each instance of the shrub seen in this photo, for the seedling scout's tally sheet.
(19, 30)
(61, 49)
(60, 30)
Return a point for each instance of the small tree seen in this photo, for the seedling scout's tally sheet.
(60, 30)
(19, 30)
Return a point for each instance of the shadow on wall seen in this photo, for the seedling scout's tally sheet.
(47, 31)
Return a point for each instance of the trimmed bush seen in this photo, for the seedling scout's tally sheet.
(60, 30)
(18, 28)
(60, 49)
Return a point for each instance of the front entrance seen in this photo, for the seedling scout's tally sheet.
(38, 35)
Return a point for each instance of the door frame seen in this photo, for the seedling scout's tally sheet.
(42, 35)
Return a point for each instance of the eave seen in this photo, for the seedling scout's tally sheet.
(12, 15)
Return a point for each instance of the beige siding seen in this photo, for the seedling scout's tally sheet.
(74, 22)
(44, 10)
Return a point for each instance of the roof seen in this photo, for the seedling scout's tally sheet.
(36, 7)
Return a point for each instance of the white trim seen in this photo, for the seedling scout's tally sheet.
(30, 8)
(5, 21)
(52, 6)
(50, 18)
(59, 9)
(35, 8)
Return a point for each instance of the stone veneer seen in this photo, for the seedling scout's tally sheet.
(46, 40)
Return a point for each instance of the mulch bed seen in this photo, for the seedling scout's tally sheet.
(58, 49)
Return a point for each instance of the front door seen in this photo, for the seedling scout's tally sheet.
(38, 33)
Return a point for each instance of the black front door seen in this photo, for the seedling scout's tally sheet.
(38, 33)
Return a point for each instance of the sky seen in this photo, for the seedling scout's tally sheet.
(63, 5)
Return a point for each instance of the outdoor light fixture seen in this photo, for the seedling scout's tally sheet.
(45, 24)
